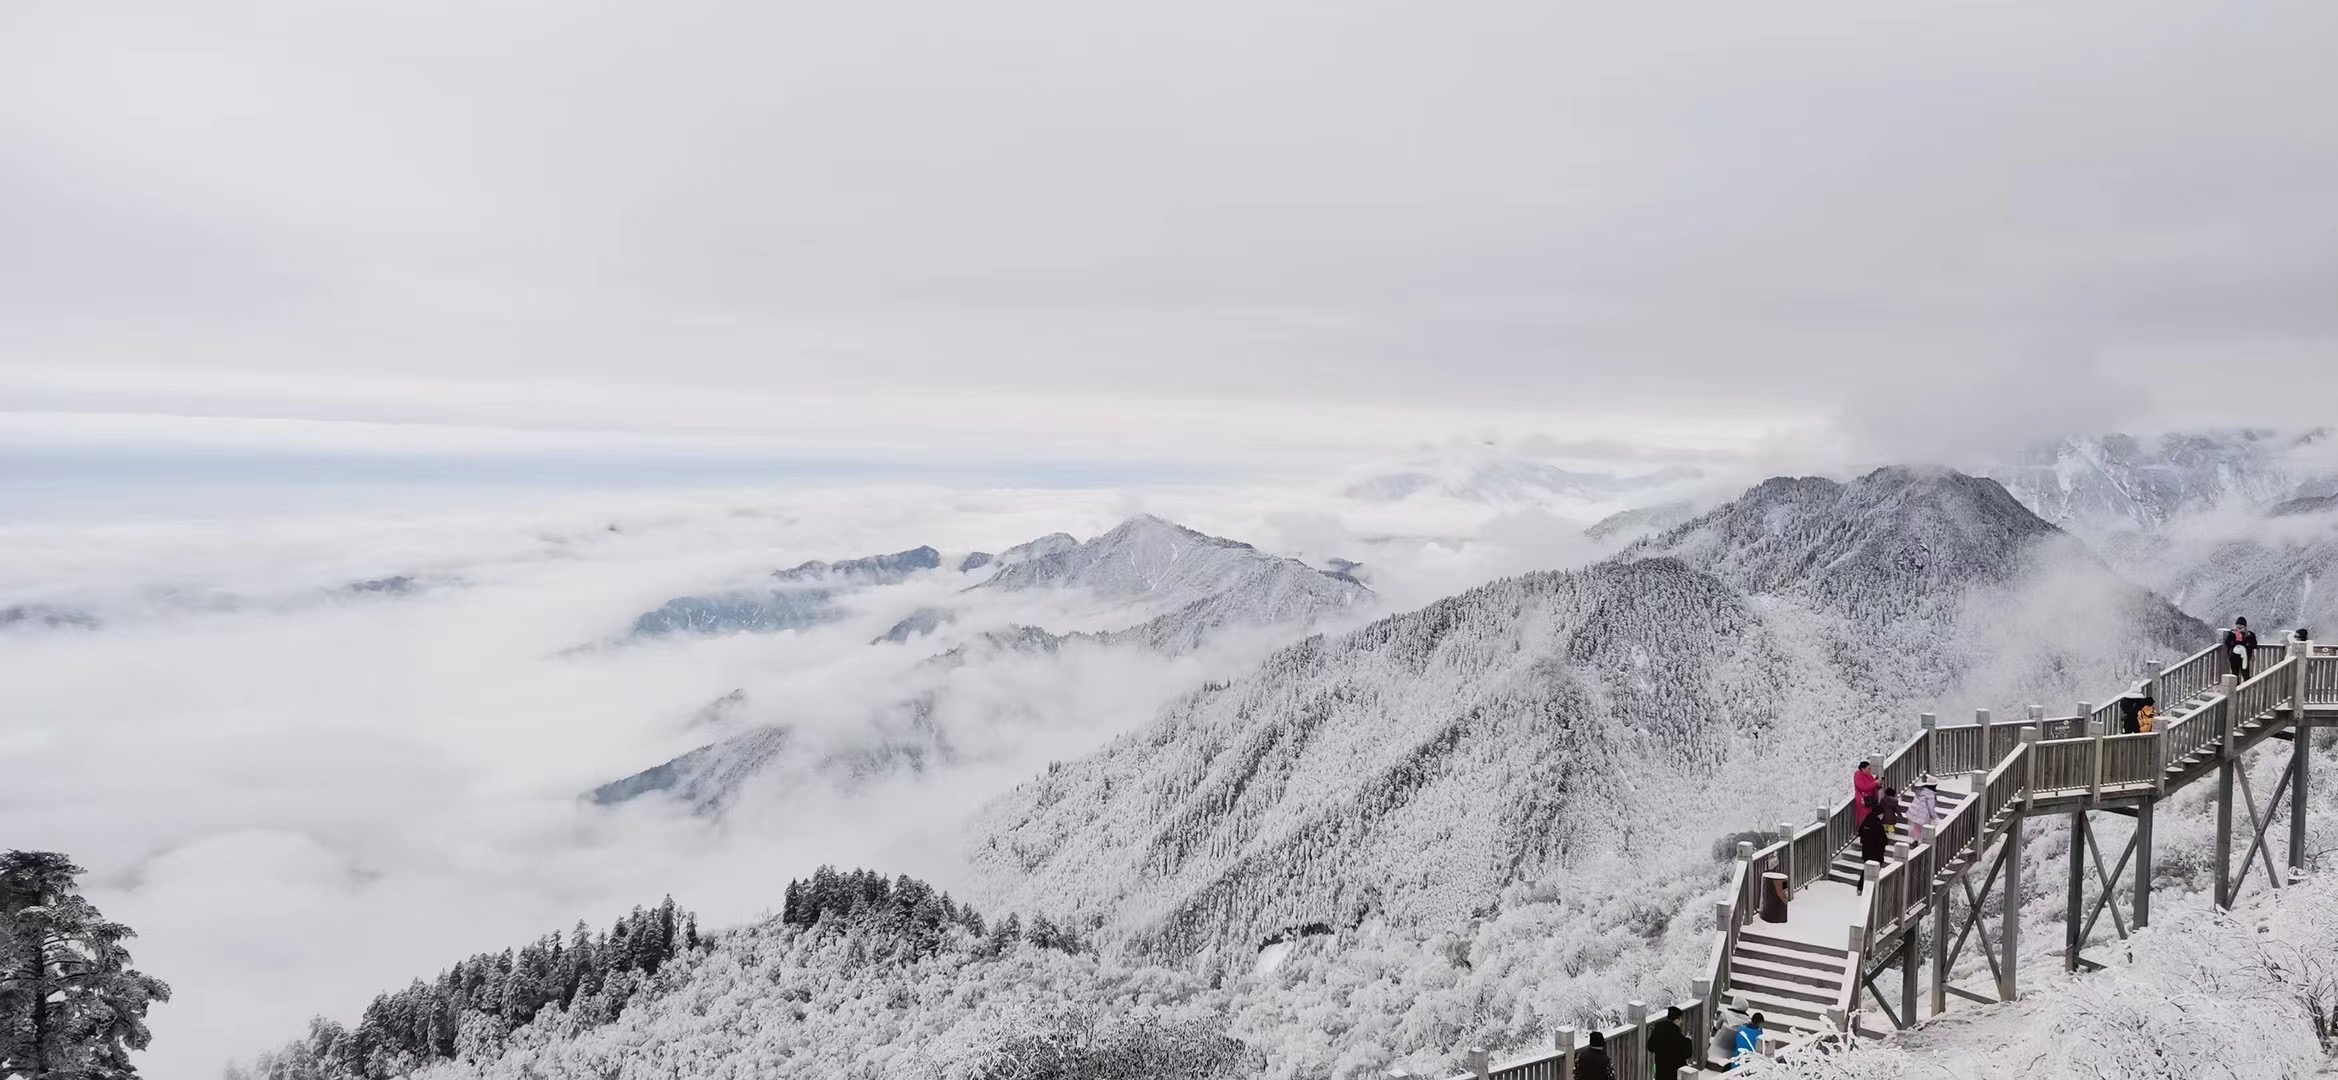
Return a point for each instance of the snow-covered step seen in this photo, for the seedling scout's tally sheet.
(1793, 1013)
(1813, 997)
(1789, 945)
(1829, 967)
(1771, 971)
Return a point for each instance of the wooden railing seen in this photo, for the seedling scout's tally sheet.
(1627, 1046)
(2266, 690)
(2189, 678)
(2130, 760)
(2063, 766)
(1958, 749)
(2321, 680)
(2188, 733)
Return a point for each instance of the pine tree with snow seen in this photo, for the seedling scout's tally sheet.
(70, 1003)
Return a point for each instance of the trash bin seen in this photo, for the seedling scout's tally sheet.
(1774, 897)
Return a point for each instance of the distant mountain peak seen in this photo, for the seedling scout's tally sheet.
(2102, 484)
(871, 570)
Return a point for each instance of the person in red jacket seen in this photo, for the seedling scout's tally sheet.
(1864, 785)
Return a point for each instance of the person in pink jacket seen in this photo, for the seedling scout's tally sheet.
(1863, 788)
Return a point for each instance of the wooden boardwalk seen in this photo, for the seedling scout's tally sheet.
(1810, 975)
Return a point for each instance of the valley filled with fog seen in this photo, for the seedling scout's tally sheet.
(314, 754)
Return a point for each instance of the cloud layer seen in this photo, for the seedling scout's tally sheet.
(1758, 212)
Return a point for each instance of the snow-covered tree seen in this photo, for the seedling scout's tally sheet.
(71, 1004)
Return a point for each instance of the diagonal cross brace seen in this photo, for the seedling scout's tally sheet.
(1888, 1011)
(1973, 922)
(2258, 824)
(2110, 883)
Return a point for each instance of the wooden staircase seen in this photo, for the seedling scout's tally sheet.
(1846, 868)
(1791, 983)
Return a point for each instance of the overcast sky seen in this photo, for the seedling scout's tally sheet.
(1211, 229)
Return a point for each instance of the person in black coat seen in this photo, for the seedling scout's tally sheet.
(1591, 1062)
(1669, 1046)
(1875, 833)
(2237, 643)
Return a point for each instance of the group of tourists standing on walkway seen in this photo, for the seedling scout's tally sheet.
(1876, 808)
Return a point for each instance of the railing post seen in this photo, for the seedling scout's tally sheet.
(1855, 942)
(1566, 1053)
(1981, 720)
(2231, 724)
(1478, 1066)
(2155, 669)
(1869, 875)
(2029, 767)
(1637, 1013)
(1930, 724)
(2094, 787)
(1707, 1006)
(1786, 829)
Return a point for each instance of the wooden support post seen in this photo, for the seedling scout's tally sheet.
(1566, 1053)
(2143, 862)
(1478, 1066)
(1786, 832)
(1687, 1072)
(1911, 962)
(1981, 720)
(2152, 672)
(2077, 906)
(1939, 950)
(2224, 786)
(1928, 723)
(2300, 757)
(2009, 937)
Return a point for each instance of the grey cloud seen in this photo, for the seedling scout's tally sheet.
(1774, 210)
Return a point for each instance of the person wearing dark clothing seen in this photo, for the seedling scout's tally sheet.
(2237, 643)
(1669, 1046)
(1874, 839)
(1591, 1061)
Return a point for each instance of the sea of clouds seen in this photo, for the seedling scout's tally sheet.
(303, 793)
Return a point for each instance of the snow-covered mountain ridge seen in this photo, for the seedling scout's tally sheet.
(1413, 770)
(1155, 585)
